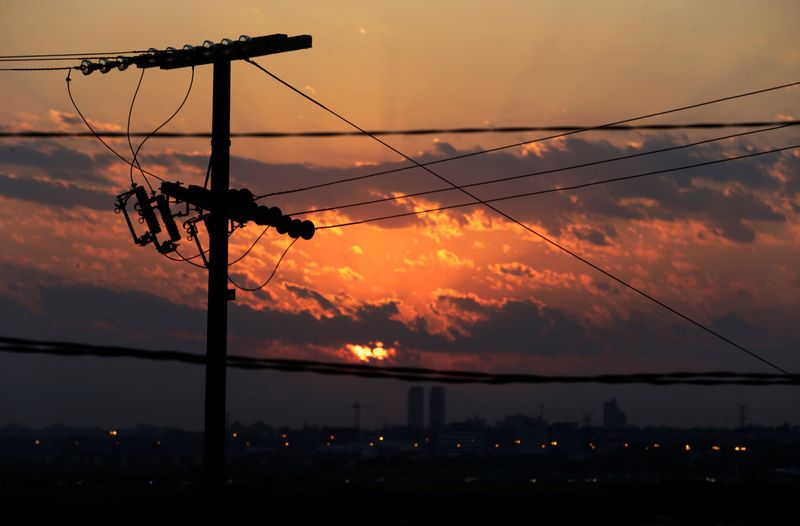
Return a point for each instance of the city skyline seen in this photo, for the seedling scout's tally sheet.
(461, 288)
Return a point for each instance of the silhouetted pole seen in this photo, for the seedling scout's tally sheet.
(217, 328)
(220, 55)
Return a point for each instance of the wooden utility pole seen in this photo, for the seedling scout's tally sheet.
(220, 55)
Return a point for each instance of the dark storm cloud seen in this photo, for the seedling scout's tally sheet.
(53, 194)
(591, 235)
(517, 327)
(41, 306)
(303, 292)
(56, 161)
(738, 328)
(730, 198)
(133, 318)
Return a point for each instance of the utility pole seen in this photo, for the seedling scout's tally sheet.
(217, 220)
(217, 325)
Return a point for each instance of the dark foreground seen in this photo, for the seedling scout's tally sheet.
(396, 503)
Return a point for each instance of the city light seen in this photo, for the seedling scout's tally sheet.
(113, 433)
(554, 443)
(687, 447)
(715, 448)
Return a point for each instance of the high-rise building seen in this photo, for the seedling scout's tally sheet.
(416, 403)
(613, 416)
(436, 407)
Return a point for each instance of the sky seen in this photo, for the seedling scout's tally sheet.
(462, 288)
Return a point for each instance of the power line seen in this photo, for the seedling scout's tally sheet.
(183, 259)
(411, 374)
(252, 246)
(537, 173)
(272, 275)
(128, 130)
(553, 190)
(167, 121)
(528, 228)
(58, 56)
(40, 69)
(523, 143)
(426, 131)
(94, 133)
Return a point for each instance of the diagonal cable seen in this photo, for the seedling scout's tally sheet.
(521, 143)
(546, 190)
(539, 172)
(529, 229)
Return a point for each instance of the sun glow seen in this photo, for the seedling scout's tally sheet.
(372, 351)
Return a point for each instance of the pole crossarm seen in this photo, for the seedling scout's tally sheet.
(227, 50)
(209, 52)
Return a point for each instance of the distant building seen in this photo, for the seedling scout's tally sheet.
(416, 402)
(436, 407)
(613, 416)
(462, 438)
(523, 434)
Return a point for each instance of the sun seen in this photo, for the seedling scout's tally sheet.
(372, 351)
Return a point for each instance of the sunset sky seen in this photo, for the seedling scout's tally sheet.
(462, 288)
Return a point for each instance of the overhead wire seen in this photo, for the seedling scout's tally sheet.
(409, 132)
(167, 121)
(252, 246)
(183, 259)
(531, 230)
(536, 173)
(410, 374)
(561, 188)
(516, 144)
(272, 275)
(128, 132)
(40, 69)
(94, 134)
(58, 56)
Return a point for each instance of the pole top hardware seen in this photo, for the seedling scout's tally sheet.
(207, 53)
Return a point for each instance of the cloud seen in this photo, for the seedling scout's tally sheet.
(55, 161)
(306, 293)
(731, 199)
(591, 235)
(53, 194)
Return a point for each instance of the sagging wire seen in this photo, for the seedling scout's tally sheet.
(94, 133)
(272, 275)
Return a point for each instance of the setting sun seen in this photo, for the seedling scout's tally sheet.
(374, 351)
